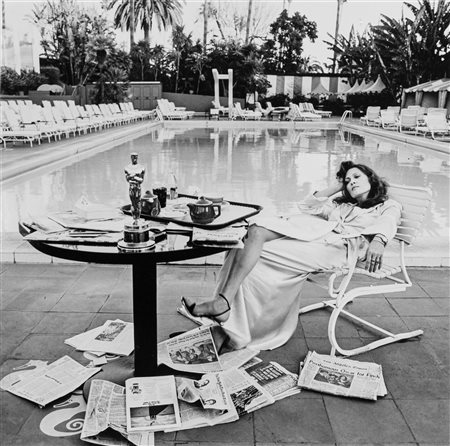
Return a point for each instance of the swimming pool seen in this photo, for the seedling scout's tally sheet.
(273, 167)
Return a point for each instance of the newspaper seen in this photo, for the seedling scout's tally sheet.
(274, 378)
(114, 337)
(70, 219)
(48, 383)
(228, 237)
(194, 409)
(151, 404)
(76, 237)
(105, 420)
(193, 351)
(247, 395)
(341, 376)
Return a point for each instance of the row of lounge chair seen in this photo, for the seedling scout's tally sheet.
(168, 110)
(414, 119)
(23, 121)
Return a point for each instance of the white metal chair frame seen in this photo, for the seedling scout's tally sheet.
(415, 202)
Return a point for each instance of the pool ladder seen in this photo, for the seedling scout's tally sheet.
(345, 115)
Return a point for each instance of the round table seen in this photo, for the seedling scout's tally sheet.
(144, 268)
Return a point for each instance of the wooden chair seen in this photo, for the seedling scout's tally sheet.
(415, 202)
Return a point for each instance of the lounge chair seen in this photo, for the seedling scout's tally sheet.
(394, 108)
(372, 115)
(306, 114)
(238, 112)
(278, 111)
(436, 125)
(415, 202)
(31, 118)
(14, 131)
(168, 112)
(219, 110)
(323, 113)
(421, 112)
(107, 113)
(67, 116)
(388, 120)
(408, 121)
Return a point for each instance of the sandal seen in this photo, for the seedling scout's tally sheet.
(190, 310)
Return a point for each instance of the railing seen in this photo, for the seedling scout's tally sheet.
(345, 115)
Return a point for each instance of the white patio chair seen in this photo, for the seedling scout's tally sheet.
(238, 112)
(32, 118)
(436, 125)
(310, 108)
(307, 115)
(408, 121)
(168, 113)
(14, 131)
(415, 202)
(371, 116)
(388, 119)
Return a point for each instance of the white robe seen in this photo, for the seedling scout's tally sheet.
(264, 313)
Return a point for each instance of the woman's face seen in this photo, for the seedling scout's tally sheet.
(357, 184)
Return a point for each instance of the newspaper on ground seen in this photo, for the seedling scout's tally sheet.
(193, 351)
(237, 358)
(342, 376)
(105, 420)
(48, 383)
(195, 410)
(274, 378)
(114, 337)
(151, 404)
(247, 395)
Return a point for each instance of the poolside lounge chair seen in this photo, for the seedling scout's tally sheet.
(238, 112)
(415, 202)
(394, 108)
(408, 121)
(219, 110)
(388, 120)
(14, 131)
(371, 116)
(297, 113)
(436, 125)
(144, 114)
(421, 112)
(32, 118)
(307, 115)
(67, 116)
(168, 111)
(323, 113)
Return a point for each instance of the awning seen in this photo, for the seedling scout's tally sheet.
(437, 85)
(355, 89)
(364, 86)
(377, 87)
(320, 89)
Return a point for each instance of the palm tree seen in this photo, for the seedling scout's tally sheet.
(336, 32)
(165, 12)
(249, 15)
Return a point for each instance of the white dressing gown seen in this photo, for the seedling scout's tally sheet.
(264, 313)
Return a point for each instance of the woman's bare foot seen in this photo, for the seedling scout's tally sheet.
(217, 309)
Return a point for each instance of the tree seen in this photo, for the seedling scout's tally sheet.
(249, 15)
(283, 51)
(182, 45)
(165, 12)
(72, 38)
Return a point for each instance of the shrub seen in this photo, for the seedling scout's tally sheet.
(10, 81)
(279, 100)
(31, 80)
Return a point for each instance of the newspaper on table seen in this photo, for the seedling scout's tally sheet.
(195, 351)
(70, 219)
(341, 376)
(50, 382)
(114, 337)
(274, 378)
(105, 420)
(247, 395)
(228, 237)
(204, 402)
(151, 404)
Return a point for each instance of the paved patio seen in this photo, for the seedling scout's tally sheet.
(43, 304)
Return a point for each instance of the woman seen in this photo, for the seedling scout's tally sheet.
(257, 296)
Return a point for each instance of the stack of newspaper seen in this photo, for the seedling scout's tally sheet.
(230, 236)
(113, 337)
(341, 376)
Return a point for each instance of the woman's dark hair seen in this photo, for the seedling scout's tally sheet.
(378, 186)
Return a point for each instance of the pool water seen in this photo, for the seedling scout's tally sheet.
(272, 167)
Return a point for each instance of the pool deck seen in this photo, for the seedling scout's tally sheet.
(44, 304)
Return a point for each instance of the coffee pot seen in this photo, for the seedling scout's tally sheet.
(150, 204)
(203, 211)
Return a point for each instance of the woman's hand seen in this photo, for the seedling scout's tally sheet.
(374, 256)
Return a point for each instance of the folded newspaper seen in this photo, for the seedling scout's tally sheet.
(341, 376)
(273, 377)
(229, 236)
(195, 352)
(114, 337)
(105, 421)
(204, 402)
(48, 382)
(151, 404)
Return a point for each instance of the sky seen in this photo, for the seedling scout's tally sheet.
(358, 13)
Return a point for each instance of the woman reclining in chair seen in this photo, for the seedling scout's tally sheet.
(257, 295)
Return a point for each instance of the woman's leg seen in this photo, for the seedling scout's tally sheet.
(244, 261)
